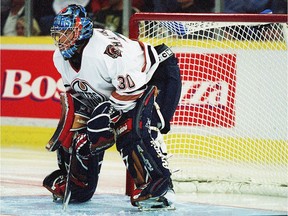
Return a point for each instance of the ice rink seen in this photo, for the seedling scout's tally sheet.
(22, 172)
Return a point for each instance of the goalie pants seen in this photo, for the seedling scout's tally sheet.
(168, 81)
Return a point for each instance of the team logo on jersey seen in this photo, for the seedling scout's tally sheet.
(113, 51)
(83, 88)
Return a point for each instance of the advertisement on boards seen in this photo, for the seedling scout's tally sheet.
(30, 84)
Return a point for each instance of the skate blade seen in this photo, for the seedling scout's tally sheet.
(155, 204)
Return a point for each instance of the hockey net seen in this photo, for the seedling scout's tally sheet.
(229, 132)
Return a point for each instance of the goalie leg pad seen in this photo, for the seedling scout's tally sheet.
(84, 180)
(140, 150)
(84, 192)
(85, 169)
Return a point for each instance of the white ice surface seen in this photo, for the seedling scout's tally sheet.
(22, 172)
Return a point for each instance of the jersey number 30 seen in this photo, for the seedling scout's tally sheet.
(125, 82)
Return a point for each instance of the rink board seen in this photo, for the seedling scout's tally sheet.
(32, 137)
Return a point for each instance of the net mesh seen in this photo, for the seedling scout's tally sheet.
(229, 132)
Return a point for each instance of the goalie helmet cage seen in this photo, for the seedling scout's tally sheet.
(229, 132)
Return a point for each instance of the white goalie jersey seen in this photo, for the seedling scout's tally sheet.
(112, 67)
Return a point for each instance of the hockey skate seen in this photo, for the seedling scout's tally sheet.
(147, 200)
(56, 183)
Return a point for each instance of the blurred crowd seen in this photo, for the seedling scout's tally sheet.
(108, 13)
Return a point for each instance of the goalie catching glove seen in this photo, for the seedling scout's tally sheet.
(100, 127)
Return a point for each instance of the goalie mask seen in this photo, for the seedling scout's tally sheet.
(70, 28)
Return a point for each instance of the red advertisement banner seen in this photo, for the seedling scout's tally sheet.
(208, 91)
(30, 84)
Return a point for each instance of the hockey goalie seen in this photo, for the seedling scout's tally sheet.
(118, 91)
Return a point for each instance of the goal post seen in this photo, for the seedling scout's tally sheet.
(229, 132)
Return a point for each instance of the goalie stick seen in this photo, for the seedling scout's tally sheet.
(67, 194)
